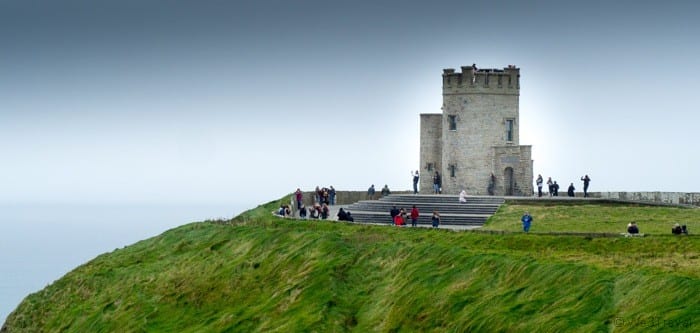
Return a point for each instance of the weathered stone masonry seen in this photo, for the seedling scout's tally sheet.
(477, 134)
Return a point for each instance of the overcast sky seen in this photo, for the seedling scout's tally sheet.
(244, 101)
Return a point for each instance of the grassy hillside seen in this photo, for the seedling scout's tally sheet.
(594, 217)
(262, 273)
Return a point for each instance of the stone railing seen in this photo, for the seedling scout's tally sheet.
(671, 198)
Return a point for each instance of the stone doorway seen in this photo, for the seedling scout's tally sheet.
(508, 181)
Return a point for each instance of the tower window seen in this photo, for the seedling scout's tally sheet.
(452, 120)
(430, 167)
(453, 168)
(509, 129)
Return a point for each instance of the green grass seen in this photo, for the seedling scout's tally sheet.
(260, 273)
(594, 218)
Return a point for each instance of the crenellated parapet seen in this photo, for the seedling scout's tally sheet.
(473, 80)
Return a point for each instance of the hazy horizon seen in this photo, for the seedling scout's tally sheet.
(243, 102)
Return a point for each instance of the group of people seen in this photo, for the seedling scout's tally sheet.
(399, 217)
(371, 191)
(322, 198)
(553, 187)
(324, 195)
(677, 229)
(317, 211)
(632, 228)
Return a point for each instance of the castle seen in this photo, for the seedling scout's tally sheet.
(477, 135)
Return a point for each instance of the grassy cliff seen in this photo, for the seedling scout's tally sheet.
(262, 273)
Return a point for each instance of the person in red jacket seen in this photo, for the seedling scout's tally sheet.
(398, 219)
(414, 216)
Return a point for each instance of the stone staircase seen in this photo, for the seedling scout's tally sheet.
(474, 212)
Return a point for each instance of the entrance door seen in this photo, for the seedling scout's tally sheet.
(508, 181)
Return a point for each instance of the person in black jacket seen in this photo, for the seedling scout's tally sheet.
(632, 228)
(393, 212)
(342, 215)
(571, 190)
(437, 183)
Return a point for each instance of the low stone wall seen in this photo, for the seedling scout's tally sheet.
(671, 198)
(349, 197)
(674, 198)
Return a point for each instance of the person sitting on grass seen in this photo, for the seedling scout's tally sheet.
(677, 230)
(632, 228)
(342, 215)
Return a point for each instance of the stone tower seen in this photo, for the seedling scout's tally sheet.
(476, 135)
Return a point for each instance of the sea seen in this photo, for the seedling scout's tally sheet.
(39, 243)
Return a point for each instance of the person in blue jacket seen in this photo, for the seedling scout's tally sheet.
(527, 220)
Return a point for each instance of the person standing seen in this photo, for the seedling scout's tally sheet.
(570, 190)
(415, 182)
(435, 219)
(539, 186)
(370, 192)
(492, 184)
(555, 189)
(437, 183)
(331, 195)
(527, 220)
(585, 180)
(299, 197)
(550, 186)
(414, 216)
(393, 212)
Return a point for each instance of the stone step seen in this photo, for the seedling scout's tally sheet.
(452, 219)
(422, 198)
(474, 212)
(426, 208)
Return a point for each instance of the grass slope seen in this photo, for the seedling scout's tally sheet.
(261, 273)
(602, 218)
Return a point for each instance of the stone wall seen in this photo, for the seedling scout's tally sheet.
(430, 150)
(675, 198)
(348, 197)
(517, 158)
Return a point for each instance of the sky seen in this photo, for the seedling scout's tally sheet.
(242, 102)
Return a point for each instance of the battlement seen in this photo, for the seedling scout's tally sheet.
(483, 80)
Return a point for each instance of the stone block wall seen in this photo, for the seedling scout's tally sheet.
(675, 198)
(430, 150)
